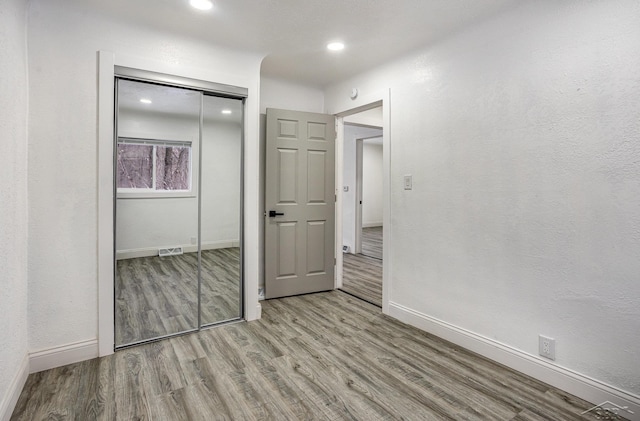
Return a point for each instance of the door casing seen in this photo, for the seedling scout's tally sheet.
(343, 109)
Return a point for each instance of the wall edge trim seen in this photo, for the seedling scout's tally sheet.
(10, 399)
(570, 381)
(62, 355)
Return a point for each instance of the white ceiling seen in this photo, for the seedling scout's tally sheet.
(292, 34)
(177, 102)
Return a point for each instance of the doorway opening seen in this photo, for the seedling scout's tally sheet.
(363, 205)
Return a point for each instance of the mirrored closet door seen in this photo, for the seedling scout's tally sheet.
(178, 209)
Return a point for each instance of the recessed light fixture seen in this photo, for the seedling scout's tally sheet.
(226, 111)
(201, 4)
(335, 46)
(145, 101)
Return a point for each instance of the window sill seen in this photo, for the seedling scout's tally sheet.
(155, 195)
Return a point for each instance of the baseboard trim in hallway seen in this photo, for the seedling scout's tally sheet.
(63, 355)
(568, 380)
(11, 396)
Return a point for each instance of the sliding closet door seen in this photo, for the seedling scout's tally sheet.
(157, 158)
(221, 209)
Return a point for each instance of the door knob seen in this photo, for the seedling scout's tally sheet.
(273, 214)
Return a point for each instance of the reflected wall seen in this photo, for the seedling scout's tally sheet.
(178, 210)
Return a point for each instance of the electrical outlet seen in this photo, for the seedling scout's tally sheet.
(547, 347)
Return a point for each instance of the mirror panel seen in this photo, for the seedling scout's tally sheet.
(157, 154)
(221, 193)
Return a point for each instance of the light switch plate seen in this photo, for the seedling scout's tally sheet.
(408, 182)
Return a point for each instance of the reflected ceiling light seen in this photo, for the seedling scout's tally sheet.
(145, 101)
(335, 46)
(201, 4)
(226, 111)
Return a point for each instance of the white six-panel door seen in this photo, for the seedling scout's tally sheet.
(299, 203)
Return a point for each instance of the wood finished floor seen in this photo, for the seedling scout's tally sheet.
(362, 277)
(157, 296)
(372, 242)
(362, 273)
(325, 356)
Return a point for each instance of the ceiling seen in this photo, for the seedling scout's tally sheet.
(293, 34)
(169, 102)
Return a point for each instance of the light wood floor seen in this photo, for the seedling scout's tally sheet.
(362, 277)
(324, 356)
(372, 242)
(362, 273)
(157, 296)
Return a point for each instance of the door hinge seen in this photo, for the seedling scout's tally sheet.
(335, 197)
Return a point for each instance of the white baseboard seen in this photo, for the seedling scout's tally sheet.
(63, 355)
(570, 381)
(371, 224)
(10, 398)
(190, 248)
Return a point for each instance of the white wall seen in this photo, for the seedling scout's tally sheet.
(146, 224)
(13, 202)
(372, 117)
(62, 153)
(371, 184)
(276, 93)
(523, 138)
(349, 176)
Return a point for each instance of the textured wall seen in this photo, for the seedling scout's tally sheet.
(349, 155)
(275, 93)
(145, 223)
(371, 184)
(13, 193)
(63, 41)
(523, 137)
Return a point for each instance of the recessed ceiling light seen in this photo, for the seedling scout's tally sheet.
(145, 101)
(335, 46)
(226, 111)
(201, 4)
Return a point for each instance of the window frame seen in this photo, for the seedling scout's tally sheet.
(161, 140)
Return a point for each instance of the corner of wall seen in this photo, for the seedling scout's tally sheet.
(10, 399)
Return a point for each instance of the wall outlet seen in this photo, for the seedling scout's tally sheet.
(547, 347)
(194, 240)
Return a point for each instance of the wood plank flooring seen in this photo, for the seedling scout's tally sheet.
(362, 277)
(325, 356)
(157, 296)
(372, 242)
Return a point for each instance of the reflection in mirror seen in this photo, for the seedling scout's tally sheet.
(156, 211)
(221, 189)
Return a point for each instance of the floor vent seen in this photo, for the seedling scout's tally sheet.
(173, 251)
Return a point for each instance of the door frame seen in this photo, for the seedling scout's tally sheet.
(341, 110)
